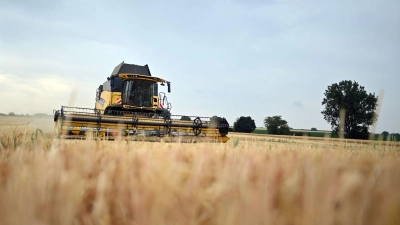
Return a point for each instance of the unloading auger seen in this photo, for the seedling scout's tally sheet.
(129, 104)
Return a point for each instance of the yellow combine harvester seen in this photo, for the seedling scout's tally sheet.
(129, 104)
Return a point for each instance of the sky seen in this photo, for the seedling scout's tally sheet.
(229, 58)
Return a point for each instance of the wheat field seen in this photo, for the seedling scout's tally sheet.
(252, 179)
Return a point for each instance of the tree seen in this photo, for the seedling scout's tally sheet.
(41, 115)
(395, 137)
(244, 124)
(276, 125)
(11, 114)
(313, 129)
(355, 104)
(385, 133)
(186, 118)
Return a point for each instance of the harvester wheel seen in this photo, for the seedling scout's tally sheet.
(113, 112)
(197, 124)
(108, 111)
(224, 127)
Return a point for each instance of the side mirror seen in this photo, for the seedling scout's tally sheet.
(169, 87)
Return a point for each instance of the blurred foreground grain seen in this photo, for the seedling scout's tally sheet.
(245, 181)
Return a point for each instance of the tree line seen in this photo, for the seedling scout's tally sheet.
(348, 108)
(34, 115)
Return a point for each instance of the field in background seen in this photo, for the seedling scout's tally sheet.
(252, 179)
(26, 123)
(299, 132)
(318, 133)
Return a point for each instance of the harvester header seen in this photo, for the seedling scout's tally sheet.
(130, 104)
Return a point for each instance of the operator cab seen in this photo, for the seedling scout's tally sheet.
(139, 93)
(131, 88)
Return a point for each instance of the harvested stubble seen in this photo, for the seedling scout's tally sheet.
(46, 181)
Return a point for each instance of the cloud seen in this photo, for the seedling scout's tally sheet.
(298, 104)
(53, 85)
(33, 95)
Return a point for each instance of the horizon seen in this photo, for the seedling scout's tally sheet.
(230, 125)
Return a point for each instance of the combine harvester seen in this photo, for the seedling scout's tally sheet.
(129, 104)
